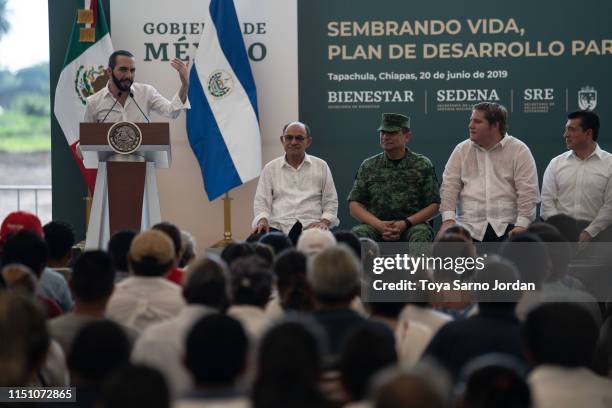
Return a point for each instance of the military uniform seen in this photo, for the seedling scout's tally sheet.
(394, 190)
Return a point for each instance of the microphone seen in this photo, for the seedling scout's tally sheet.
(111, 109)
(143, 114)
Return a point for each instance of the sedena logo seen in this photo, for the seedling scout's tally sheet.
(220, 83)
(88, 81)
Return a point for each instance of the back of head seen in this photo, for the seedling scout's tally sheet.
(60, 239)
(498, 270)
(314, 240)
(19, 278)
(398, 389)
(216, 351)
(151, 254)
(236, 250)
(566, 226)
(530, 256)
(207, 284)
(559, 249)
(459, 229)
(25, 339)
(350, 239)
(98, 349)
(293, 288)
(334, 275)
(118, 248)
(289, 367)
(136, 386)
(563, 334)
(277, 240)
(173, 233)
(27, 248)
(453, 246)
(93, 277)
(251, 281)
(367, 350)
(495, 380)
(265, 252)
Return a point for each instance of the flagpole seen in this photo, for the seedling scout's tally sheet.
(227, 222)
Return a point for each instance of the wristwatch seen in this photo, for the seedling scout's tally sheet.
(408, 222)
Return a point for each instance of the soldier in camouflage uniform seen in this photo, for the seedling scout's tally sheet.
(396, 191)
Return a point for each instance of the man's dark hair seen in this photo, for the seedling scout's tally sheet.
(112, 60)
(98, 349)
(216, 351)
(251, 281)
(368, 349)
(27, 248)
(236, 250)
(562, 334)
(501, 270)
(277, 240)
(173, 233)
(494, 113)
(207, 284)
(118, 248)
(136, 386)
(350, 239)
(566, 225)
(60, 239)
(93, 277)
(588, 120)
(293, 287)
(530, 256)
(559, 249)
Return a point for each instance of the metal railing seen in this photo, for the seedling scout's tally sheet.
(24, 201)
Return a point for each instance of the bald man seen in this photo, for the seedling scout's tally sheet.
(295, 191)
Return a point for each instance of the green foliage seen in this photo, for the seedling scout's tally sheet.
(31, 105)
(5, 26)
(20, 132)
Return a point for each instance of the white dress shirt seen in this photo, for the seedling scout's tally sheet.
(147, 97)
(140, 301)
(285, 194)
(559, 387)
(162, 346)
(498, 186)
(580, 188)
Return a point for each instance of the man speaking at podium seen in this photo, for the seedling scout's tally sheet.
(122, 99)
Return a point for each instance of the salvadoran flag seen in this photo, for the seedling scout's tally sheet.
(222, 124)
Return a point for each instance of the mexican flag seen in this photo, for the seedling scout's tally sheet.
(83, 74)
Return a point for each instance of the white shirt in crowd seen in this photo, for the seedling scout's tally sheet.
(285, 195)
(146, 97)
(254, 320)
(560, 387)
(579, 188)
(162, 346)
(140, 301)
(498, 186)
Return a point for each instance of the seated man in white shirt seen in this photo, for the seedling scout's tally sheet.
(147, 297)
(490, 183)
(122, 99)
(295, 191)
(578, 182)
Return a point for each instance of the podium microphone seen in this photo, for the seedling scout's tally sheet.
(138, 106)
(111, 109)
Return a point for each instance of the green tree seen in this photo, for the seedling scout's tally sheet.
(5, 26)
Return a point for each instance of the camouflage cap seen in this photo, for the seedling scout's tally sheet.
(393, 122)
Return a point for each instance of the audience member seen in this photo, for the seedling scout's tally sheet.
(288, 369)
(560, 340)
(334, 277)
(367, 350)
(188, 249)
(92, 284)
(236, 250)
(216, 356)
(118, 248)
(567, 226)
(59, 237)
(293, 291)
(350, 239)
(147, 297)
(314, 240)
(162, 345)
(397, 388)
(135, 386)
(265, 252)
(277, 240)
(176, 274)
(251, 283)
(494, 328)
(98, 350)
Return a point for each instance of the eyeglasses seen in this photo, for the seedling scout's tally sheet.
(291, 138)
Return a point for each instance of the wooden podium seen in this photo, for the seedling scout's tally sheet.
(125, 195)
